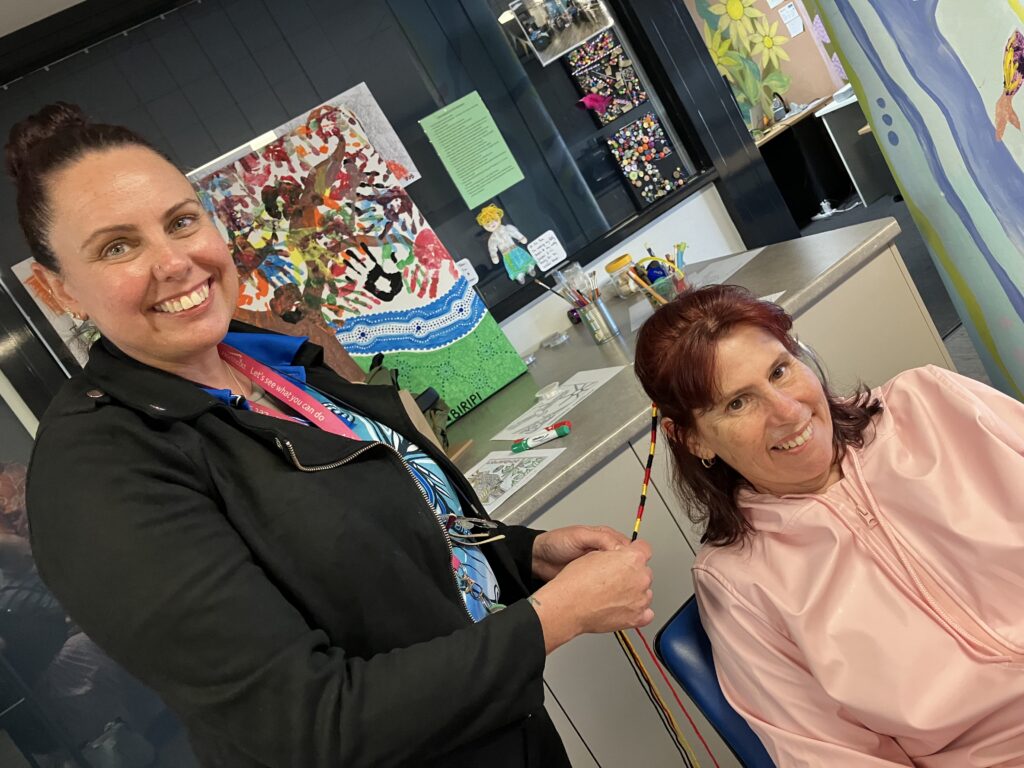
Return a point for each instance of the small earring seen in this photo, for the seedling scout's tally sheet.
(709, 463)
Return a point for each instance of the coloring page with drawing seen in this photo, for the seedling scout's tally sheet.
(546, 412)
(502, 473)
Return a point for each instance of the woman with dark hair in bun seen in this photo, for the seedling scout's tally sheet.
(862, 572)
(276, 551)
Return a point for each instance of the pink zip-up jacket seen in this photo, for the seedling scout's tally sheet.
(881, 622)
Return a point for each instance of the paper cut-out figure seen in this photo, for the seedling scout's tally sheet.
(502, 244)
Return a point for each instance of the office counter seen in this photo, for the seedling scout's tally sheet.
(852, 300)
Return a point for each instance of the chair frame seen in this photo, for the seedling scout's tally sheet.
(710, 720)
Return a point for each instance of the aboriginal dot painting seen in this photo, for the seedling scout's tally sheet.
(324, 235)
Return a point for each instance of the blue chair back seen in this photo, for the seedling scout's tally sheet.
(683, 647)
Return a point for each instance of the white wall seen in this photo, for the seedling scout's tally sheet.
(9, 396)
(15, 14)
(701, 221)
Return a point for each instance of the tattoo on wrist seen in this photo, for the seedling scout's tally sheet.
(533, 601)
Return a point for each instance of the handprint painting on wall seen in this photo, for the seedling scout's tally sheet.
(326, 238)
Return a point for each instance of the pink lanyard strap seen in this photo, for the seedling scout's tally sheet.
(284, 391)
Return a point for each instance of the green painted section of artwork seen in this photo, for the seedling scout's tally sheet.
(472, 149)
(472, 368)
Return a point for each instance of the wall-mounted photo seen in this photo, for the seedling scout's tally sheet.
(554, 27)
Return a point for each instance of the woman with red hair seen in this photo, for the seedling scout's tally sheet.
(862, 566)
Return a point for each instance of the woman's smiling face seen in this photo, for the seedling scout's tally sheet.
(770, 421)
(139, 256)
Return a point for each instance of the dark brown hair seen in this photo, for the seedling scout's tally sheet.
(675, 361)
(44, 143)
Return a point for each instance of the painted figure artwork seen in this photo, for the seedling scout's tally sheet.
(505, 245)
(937, 82)
(1013, 77)
(328, 242)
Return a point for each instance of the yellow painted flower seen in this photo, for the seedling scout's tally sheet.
(721, 52)
(736, 16)
(769, 44)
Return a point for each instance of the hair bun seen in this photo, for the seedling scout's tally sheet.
(35, 129)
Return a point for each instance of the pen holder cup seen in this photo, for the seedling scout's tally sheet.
(599, 321)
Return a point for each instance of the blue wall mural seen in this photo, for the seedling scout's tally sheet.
(937, 81)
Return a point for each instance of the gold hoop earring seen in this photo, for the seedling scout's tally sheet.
(709, 463)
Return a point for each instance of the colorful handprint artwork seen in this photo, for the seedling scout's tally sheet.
(329, 242)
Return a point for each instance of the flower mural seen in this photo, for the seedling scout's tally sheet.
(722, 54)
(735, 17)
(768, 42)
(748, 52)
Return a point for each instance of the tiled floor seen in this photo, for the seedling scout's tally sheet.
(964, 356)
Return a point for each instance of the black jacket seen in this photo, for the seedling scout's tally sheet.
(287, 591)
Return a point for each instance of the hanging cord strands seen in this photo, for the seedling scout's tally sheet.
(647, 472)
(637, 664)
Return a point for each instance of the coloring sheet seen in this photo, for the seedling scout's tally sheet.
(502, 473)
(546, 412)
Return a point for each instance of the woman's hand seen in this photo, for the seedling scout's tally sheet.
(554, 550)
(602, 591)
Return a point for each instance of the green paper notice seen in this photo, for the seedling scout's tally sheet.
(472, 149)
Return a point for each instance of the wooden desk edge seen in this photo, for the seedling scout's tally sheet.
(782, 125)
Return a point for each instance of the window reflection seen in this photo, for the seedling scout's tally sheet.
(58, 691)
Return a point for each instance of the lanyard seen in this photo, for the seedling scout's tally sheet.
(286, 392)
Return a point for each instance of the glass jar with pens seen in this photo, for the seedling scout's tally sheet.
(580, 291)
(659, 279)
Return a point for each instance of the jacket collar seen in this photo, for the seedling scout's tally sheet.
(112, 375)
(163, 395)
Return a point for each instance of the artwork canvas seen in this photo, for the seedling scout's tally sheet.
(644, 153)
(602, 69)
(937, 82)
(325, 237)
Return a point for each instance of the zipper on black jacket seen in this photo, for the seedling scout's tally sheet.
(289, 449)
(442, 459)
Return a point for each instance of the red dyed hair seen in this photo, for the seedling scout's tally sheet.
(676, 362)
